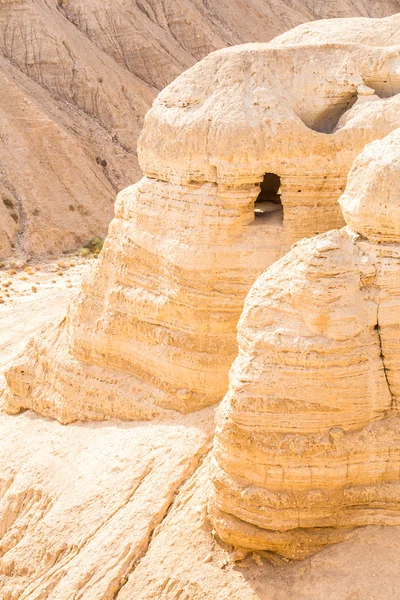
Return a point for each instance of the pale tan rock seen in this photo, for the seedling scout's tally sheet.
(63, 464)
(364, 566)
(159, 311)
(307, 443)
(79, 504)
(83, 73)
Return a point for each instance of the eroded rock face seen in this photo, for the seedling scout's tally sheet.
(79, 504)
(69, 120)
(255, 109)
(160, 309)
(307, 443)
(83, 73)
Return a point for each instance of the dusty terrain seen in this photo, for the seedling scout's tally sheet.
(118, 510)
(77, 77)
(30, 295)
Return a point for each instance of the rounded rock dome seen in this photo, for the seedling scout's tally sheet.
(371, 200)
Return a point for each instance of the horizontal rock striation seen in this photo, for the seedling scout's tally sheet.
(83, 73)
(233, 174)
(307, 443)
(168, 308)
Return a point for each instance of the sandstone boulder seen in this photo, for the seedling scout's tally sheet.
(307, 445)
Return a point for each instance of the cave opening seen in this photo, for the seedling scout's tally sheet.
(268, 204)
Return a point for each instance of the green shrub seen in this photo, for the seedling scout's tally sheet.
(94, 245)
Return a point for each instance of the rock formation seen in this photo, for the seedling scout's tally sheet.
(79, 504)
(83, 73)
(154, 326)
(307, 444)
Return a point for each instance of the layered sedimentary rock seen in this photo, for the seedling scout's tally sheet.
(69, 120)
(83, 73)
(238, 164)
(307, 444)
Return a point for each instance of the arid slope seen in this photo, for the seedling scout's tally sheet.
(77, 77)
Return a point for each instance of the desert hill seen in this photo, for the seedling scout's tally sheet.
(77, 77)
(139, 504)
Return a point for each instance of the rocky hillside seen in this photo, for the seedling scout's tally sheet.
(77, 77)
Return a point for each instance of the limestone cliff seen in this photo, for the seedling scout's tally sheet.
(307, 443)
(155, 323)
(77, 77)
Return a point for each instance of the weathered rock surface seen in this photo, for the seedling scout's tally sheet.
(307, 444)
(83, 73)
(67, 129)
(79, 504)
(159, 311)
(186, 560)
(181, 557)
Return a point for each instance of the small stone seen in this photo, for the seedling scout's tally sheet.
(237, 555)
(257, 558)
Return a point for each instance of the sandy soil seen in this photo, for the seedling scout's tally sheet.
(185, 561)
(30, 296)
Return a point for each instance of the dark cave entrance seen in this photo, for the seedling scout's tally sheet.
(268, 204)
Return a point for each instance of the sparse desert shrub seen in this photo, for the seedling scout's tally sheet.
(94, 245)
(82, 210)
(101, 161)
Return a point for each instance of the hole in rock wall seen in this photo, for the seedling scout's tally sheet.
(385, 87)
(268, 204)
(327, 120)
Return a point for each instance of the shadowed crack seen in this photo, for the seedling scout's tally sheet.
(382, 356)
(197, 461)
